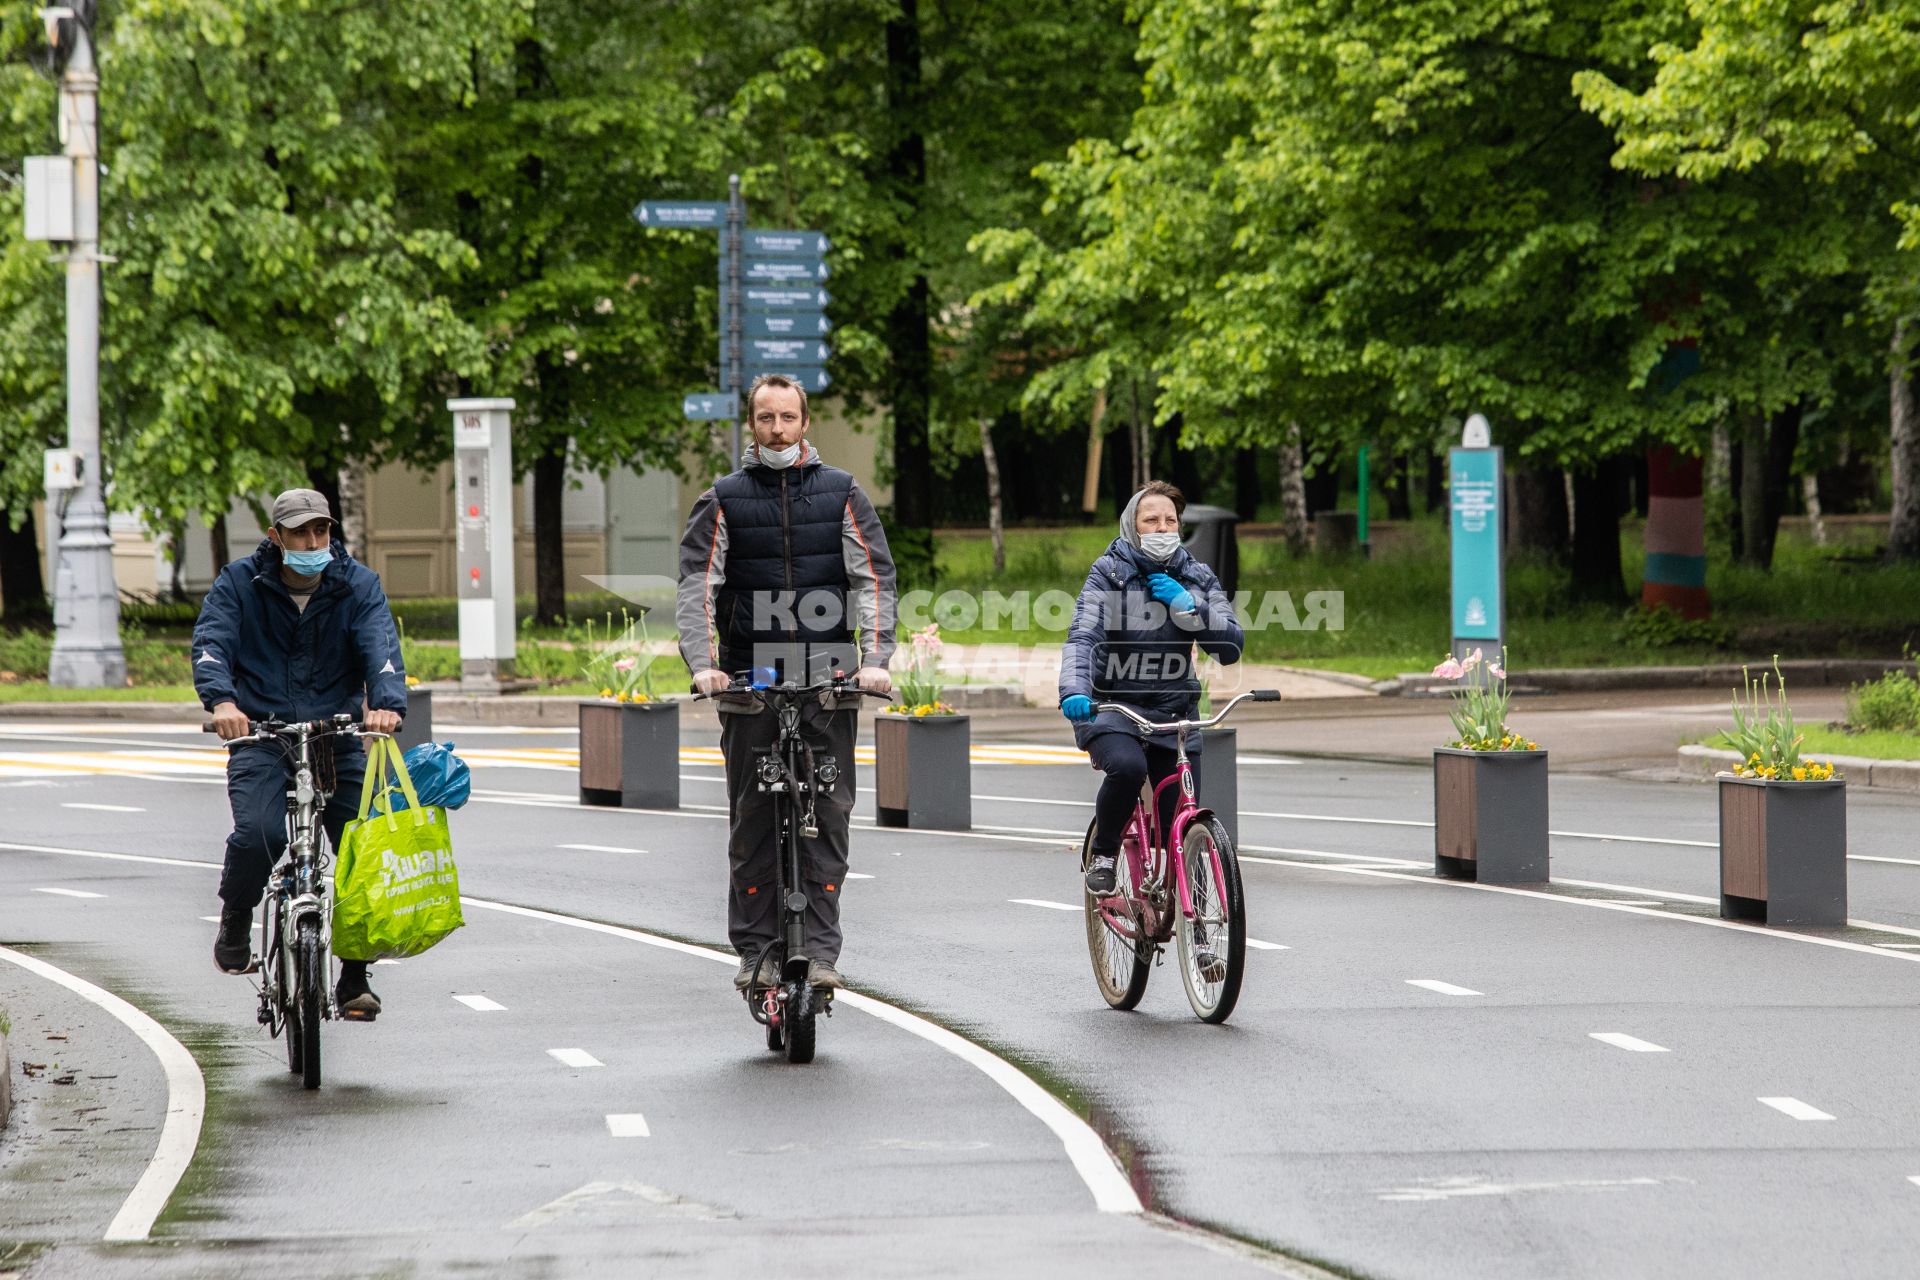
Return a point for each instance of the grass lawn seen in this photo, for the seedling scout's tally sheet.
(1823, 741)
(41, 691)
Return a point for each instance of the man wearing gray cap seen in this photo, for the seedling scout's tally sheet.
(298, 630)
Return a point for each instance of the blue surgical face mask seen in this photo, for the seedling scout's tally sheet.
(306, 562)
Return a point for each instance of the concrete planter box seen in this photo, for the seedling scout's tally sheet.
(630, 754)
(1783, 851)
(923, 774)
(418, 726)
(1490, 815)
(1220, 778)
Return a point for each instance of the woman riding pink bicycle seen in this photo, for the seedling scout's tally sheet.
(1145, 606)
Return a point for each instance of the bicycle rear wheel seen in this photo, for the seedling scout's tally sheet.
(1212, 942)
(1121, 965)
(310, 964)
(278, 964)
(801, 1006)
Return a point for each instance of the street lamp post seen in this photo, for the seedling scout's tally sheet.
(86, 644)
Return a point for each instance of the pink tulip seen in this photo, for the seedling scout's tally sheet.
(1473, 660)
(1450, 670)
(625, 664)
(1495, 670)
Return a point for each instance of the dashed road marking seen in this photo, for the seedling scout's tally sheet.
(1258, 945)
(1042, 902)
(601, 848)
(71, 893)
(575, 1058)
(1442, 988)
(1795, 1108)
(1632, 902)
(1633, 1044)
(858, 875)
(628, 1125)
(480, 1004)
(103, 808)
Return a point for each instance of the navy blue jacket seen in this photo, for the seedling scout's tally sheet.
(1125, 646)
(255, 648)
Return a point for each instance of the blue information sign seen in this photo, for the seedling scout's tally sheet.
(787, 324)
(705, 214)
(763, 351)
(787, 271)
(775, 298)
(813, 379)
(1478, 581)
(786, 244)
(703, 406)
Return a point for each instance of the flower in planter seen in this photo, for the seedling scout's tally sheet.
(919, 680)
(624, 666)
(1764, 734)
(412, 681)
(1479, 709)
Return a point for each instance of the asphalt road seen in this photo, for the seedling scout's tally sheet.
(1414, 1084)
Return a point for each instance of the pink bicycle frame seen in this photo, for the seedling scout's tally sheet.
(1148, 854)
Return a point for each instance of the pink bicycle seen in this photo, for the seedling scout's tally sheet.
(1193, 900)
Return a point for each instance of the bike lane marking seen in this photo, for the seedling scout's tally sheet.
(480, 1004)
(574, 1058)
(186, 1100)
(1633, 1044)
(1442, 988)
(1091, 1160)
(71, 893)
(1795, 1109)
(628, 1125)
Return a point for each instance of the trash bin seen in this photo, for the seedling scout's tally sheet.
(1213, 542)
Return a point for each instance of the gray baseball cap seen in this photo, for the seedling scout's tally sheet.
(296, 507)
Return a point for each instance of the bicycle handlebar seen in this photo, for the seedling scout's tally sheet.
(267, 730)
(742, 688)
(1258, 695)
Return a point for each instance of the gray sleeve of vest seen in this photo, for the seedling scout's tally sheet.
(703, 567)
(873, 597)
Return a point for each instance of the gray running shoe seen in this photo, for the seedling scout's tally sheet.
(761, 971)
(1101, 877)
(822, 974)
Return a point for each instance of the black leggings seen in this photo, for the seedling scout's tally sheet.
(1127, 762)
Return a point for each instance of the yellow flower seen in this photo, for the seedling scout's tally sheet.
(606, 693)
(1800, 773)
(620, 696)
(412, 681)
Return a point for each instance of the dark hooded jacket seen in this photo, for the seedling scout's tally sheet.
(1125, 646)
(255, 648)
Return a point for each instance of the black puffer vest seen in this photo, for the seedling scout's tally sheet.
(786, 579)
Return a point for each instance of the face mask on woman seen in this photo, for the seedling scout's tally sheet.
(1160, 546)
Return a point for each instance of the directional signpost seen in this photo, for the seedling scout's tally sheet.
(772, 306)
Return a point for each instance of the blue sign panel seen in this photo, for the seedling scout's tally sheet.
(706, 214)
(774, 298)
(703, 406)
(764, 351)
(1474, 499)
(787, 324)
(813, 379)
(786, 244)
(787, 271)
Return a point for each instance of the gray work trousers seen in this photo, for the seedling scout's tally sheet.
(753, 844)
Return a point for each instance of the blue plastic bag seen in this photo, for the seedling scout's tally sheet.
(440, 778)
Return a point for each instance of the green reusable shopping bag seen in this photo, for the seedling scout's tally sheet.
(395, 889)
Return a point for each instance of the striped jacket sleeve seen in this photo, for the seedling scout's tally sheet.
(873, 598)
(703, 568)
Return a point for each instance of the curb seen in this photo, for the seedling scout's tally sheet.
(1816, 671)
(6, 1083)
(1862, 771)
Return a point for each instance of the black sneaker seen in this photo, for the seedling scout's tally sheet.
(352, 995)
(1101, 878)
(233, 945)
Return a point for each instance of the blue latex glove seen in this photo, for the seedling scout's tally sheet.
(1170, 593)
(1078, 708)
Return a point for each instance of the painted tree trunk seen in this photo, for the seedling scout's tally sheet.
(1676, 534)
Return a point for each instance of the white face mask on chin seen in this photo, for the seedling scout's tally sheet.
(1160, 546)
(780, 459)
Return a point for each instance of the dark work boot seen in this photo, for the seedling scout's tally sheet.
(352, 995)
(233, 945)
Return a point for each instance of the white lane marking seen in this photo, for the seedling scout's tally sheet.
(1459, 1188)
(71, 893)
(601, 848)
(1442, 988)
(216, 920)
(630, 1124)
(575, 1058)
(1899, 946)
(1904, 862)
(118, 857)
(1633, 1044)
(1795, 1108)
(1914, 1178)
(858, 875)
(1633, 902)
(103, 808)
(186, 1101)
(602, 1196)
(1042, 902)
(1258, 945)
(480, 1004)
(1098, 1170)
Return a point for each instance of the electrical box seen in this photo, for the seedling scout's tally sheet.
(62, 470)
(49, 183)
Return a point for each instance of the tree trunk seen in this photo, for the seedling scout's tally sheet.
(1436, 482)
(1142, 442)
(1903, 529)
(1090, 482)
(353, 507)
(23, 591)
(993, 497)
(1293, 493)
(1246, 483)
(217, 543)
(177, 561)
(549, 541)
(1766, 466)
(1810, 494)
(1596, 533)
(326, 482)
(910, 371)
(1538, 505)
(1400, 488)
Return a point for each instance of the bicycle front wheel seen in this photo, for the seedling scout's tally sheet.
(800, 1023)
(310, 964)
(1212, 942)
(1121, 965)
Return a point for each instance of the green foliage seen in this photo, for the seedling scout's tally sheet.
(1661, 627)
(1764, 734)
(1890, 704)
